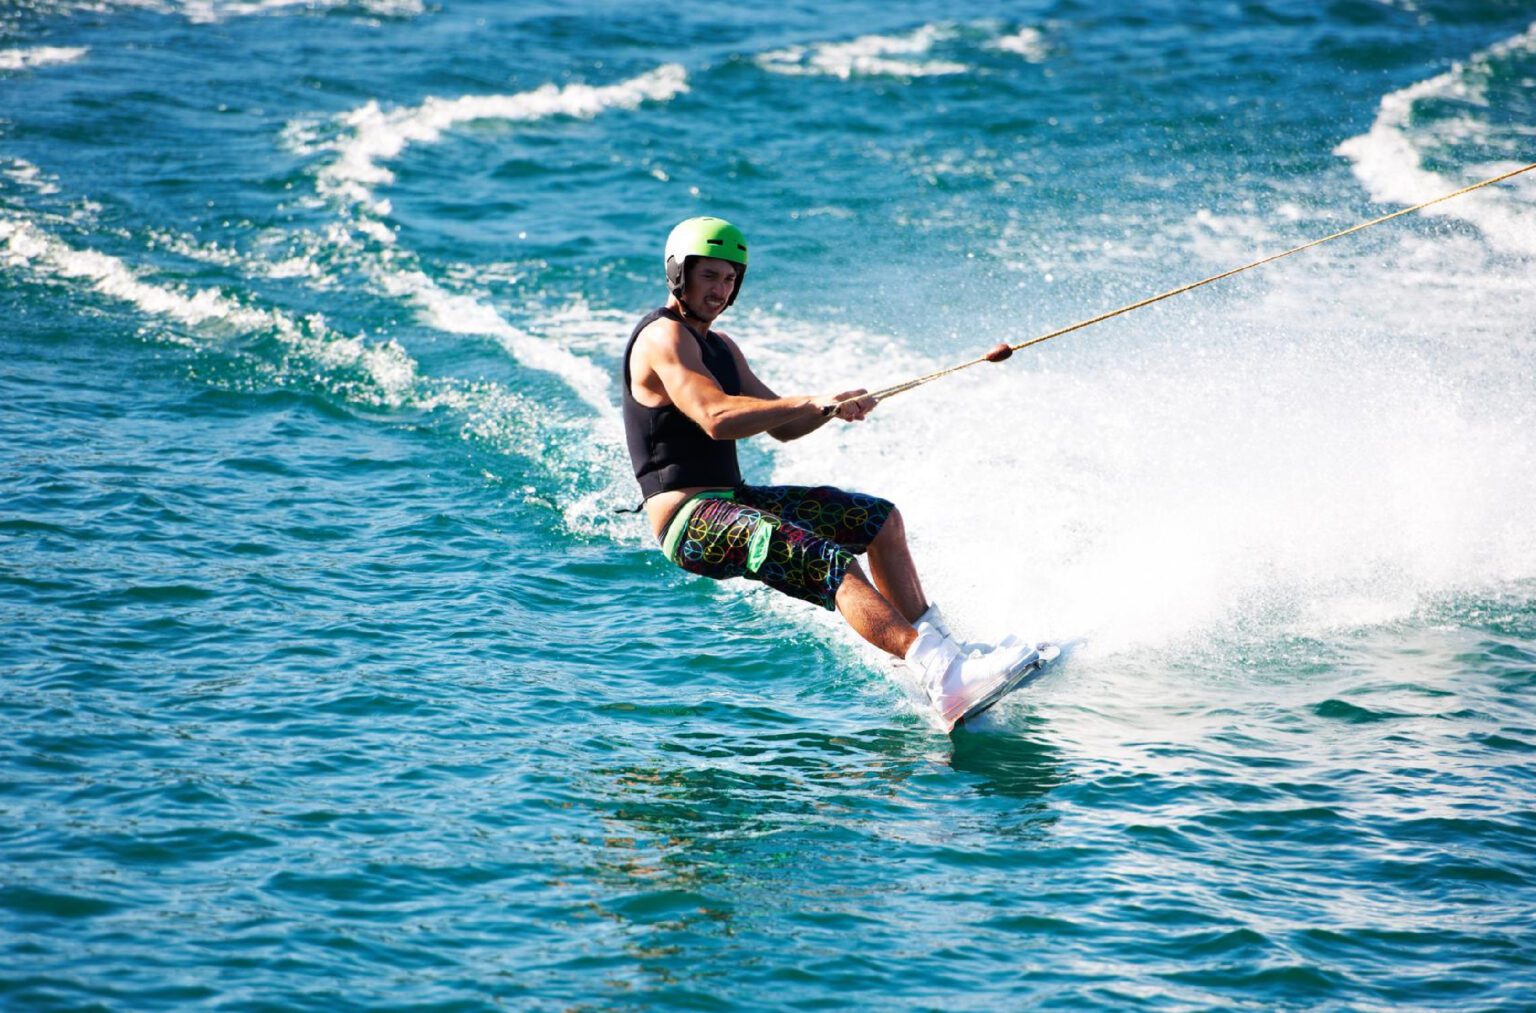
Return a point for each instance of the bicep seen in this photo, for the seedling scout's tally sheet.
(687, 383)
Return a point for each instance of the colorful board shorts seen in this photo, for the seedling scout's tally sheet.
(796, 539)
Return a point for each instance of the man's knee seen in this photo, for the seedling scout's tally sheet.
(892, 532)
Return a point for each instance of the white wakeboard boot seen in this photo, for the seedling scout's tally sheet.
(961, 685)
(935, 618)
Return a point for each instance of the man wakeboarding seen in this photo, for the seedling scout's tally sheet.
(689, 395)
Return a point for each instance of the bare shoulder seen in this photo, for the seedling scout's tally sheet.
(662, 339)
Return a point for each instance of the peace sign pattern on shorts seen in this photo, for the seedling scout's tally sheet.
(805, 537)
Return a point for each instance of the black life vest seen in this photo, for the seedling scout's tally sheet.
(668, 449)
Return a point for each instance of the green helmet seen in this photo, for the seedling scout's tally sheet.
(704, 237)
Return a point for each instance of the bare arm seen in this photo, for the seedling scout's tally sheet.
(667, 365)
(802, 426)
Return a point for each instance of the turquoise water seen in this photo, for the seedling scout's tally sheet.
(333, 680)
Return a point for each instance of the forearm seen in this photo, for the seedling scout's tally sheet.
(737, 417)
(800, 427)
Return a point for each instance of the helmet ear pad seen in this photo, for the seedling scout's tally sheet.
(677, 275)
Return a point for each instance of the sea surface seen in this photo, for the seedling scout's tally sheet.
(332, 679)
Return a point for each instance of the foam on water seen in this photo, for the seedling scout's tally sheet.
(40, 56)
(284, 265)
(589, 474)
(213, 316)
(867, 56)
(372, 136)
(472, 315)
(215, 11)
(1390, 158)
(24, 174)
(1026, 42)
(26, 246)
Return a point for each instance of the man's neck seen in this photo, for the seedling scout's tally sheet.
(697, 324)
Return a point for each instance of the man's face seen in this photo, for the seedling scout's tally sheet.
(708, 284)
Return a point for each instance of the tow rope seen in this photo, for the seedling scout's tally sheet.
(1003, 350)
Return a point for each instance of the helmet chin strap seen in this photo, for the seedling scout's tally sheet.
(688, 311)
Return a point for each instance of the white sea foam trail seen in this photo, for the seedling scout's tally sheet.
(371, 136)
(868, 56)
(469, 315)
(1026, 42)
(23, 173)
(23, 245)
(202, 12)
(213, 11)
(40, 56)
(389, 373)
(1389, 158)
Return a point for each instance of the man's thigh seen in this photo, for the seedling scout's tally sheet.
(728, 538)
(850, 519)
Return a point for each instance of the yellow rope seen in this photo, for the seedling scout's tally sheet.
(881, 395)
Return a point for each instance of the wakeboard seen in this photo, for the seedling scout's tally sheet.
(1047, 653)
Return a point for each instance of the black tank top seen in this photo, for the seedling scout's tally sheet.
(668, 449)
